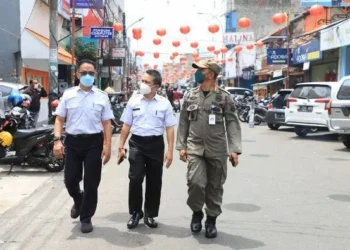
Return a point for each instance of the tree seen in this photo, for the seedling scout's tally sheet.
(84, 50)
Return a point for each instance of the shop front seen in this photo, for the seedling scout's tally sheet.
(334, 44)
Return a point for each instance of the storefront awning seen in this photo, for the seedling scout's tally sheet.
(269, 82)
(35, 51)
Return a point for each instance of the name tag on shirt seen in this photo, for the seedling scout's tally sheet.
(211, 119)
(136, 109)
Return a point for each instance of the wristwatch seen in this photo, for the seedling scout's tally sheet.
(57, 138)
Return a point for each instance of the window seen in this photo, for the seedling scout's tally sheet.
(5, 91)
(280, 100)
(311, 92)
(344, 91)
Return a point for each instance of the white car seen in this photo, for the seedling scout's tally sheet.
(339, 110)
(238, 92)
(307, 107)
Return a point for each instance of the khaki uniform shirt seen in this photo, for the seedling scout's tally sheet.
(197, 136)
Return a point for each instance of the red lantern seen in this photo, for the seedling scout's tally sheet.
(250, 46)
(184, 58)
(146, 65)
(244, 22)
(185, 29)
(176, 43)
(118, 27)
(136, 31)
(195, 55)
(213, 28)
(317, 10)
(175, 54)
(238, 48)
(217, 61)
(222, 61)
(346, 1)
(230, 59)
(224, 50)
(141, 53)
(137, 36)
(211, 48)
(183, 63)
(156, 54)
(157, 41)
(161, 32)
(155, 66)
(279, 18)
(197, 59)
(216, 52)
(259, 44)
(194, 45)
(172, 57)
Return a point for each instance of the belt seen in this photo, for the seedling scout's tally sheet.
(150, 137)
(84, 136)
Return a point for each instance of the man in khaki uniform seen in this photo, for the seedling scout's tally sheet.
(204, 142)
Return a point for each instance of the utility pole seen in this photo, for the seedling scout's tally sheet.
(73, 43)
(125, 46)
(53, 61)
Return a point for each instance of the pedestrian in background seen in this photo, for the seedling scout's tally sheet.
(35, 91)
(202, 141)
(88, 115)
(145, 117)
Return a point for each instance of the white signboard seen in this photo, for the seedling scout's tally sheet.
(118, 53)
(239, 38)
(336, 36)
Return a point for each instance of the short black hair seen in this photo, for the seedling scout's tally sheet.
(86, 61)
(157, 78)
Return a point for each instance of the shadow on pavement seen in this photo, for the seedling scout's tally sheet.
(242, 207)
(318, 137)
(113, 236)
(340, 197)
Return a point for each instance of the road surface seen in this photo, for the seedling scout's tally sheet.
(287, 193)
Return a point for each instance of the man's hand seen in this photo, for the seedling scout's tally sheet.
(121, 154)
(58, 149)
(234, 157)
(168, 159)
(106, 154)
(183, 155)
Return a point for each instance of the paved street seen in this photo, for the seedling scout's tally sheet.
(287, 193)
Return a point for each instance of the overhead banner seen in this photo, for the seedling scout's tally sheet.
(307, 52)
(336, 36)
(325, 3)
(87, 4)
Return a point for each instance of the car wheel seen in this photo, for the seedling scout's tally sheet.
(273, 126)
(301, 131)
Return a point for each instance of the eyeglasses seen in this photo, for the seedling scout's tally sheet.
(84, 73)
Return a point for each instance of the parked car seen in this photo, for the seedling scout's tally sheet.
(6, 88)
(275, 114)
(339, 110)
(238, 92)
(307, 107)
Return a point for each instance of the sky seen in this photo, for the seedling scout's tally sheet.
(171, 15)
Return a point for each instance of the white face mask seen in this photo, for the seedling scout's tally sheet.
(145, 89)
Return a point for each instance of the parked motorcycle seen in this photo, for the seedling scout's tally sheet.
(54, 104)
(176, 105)
(117, 108)
(29, 147)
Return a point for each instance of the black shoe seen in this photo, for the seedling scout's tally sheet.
(210, 227)
(86, 227)
(150, 222)
(134, 220)
(196, 222)
(74, 212)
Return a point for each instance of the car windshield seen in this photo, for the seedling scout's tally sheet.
(344, 91)
(5, 91)
(311, 92)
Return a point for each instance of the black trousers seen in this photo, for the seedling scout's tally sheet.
(146, 156)
(83, 152)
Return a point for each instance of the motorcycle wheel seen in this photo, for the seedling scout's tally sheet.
(55, 164)
(242, 116)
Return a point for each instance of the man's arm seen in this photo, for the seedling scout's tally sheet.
(59, 122)
(233, 127)
(124, 135)
(107, 115)
(182, 129)
(61, 113)
(127, 119)
(170, 135)
(170, 122)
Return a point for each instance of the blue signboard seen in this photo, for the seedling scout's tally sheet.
(326, 3)
(101, 33)
(307, 52)
(231, 22)
(87, 4)
(277, 56)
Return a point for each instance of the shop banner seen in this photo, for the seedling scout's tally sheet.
(307, 52)
(277, 56)
(101, 33)
(336, 36)
(326, 3)
(87, 4)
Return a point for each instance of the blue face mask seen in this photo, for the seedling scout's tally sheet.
(199, 76)
(87, 80)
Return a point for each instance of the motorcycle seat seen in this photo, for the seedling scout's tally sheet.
(24, 133)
